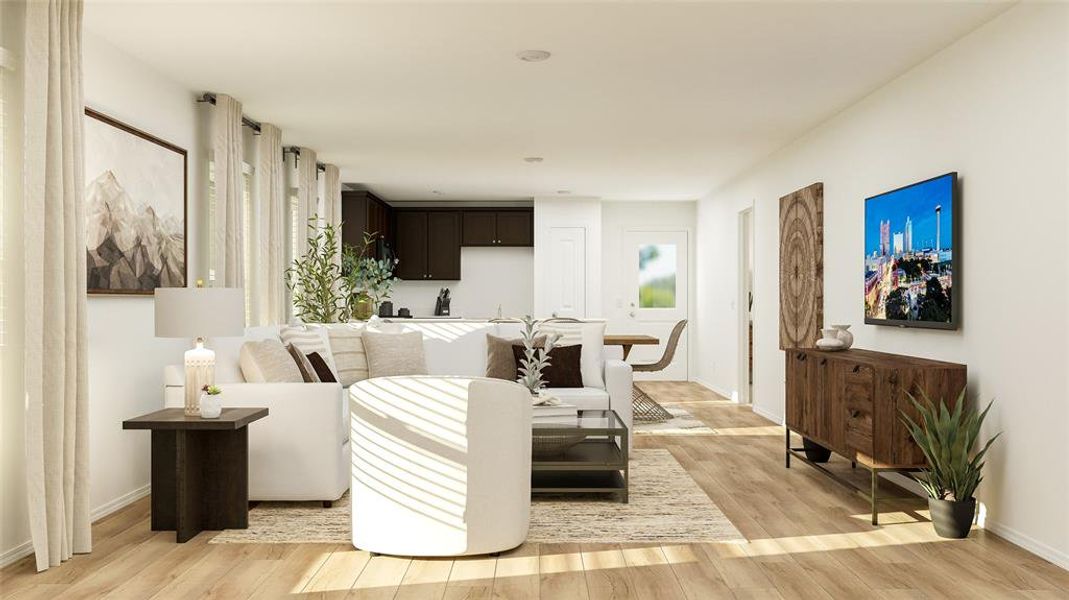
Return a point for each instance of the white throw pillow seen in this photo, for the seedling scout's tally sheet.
(591, 335)
(395, 354)
(347, 349)
(309, 339)
(268, 361)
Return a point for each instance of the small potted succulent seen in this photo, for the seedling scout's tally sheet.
(211, 403)
(948, 438)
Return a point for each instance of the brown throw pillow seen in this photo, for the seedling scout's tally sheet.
(563, 370)
(500, 362)
(322, 369)
(307, 372)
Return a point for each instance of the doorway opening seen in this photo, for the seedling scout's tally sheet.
(745, 305)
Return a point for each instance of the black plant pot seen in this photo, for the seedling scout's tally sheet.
(815, 452)
(952, 519)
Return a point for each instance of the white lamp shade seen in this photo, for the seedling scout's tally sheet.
(200, 312)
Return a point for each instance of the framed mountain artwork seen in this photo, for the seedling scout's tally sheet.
(135, 209)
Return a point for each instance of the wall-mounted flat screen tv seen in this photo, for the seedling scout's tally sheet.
(911, 255)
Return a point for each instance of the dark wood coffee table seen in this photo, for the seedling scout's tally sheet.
(596, 464)
(200, 469)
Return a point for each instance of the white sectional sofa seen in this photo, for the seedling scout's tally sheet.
(301, 450)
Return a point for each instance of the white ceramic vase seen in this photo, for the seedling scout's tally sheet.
(844, 335)
(830, 341)
(211, 406)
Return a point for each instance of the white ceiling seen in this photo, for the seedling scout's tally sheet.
(639, 101)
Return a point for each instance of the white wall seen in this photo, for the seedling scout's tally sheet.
(617, 264)
(489, 277)
(125, 359)
(14, 524)
(566, 212)
(993, 107)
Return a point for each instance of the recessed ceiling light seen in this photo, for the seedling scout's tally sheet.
(533, 159)
(436, 192)
(564, 191)
(533, 55)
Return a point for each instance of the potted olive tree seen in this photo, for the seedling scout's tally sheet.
(948, 438)
(314, 278)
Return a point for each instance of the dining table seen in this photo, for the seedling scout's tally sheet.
(628, 340)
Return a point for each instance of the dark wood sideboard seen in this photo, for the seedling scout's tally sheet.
(852, 401)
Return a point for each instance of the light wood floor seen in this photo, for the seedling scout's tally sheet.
(808, 538)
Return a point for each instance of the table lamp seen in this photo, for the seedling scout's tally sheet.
(199, 313)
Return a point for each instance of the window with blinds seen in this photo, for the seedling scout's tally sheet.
(247, 207)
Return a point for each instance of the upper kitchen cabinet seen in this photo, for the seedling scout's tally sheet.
(498, 227)
(364, 212)
(428, 244)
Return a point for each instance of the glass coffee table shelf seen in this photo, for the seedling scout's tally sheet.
(591, 458)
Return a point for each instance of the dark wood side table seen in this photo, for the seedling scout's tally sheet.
(200, 469)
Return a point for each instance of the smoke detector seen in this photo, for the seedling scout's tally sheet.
(533, 55)
(533, 159)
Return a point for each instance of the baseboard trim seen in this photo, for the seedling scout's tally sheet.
(26, 548)
(1040, 549)
(777, 419)
(119, 503)
(16, 554)
(712, 388)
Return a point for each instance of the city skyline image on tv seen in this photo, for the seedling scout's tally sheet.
(909, 254)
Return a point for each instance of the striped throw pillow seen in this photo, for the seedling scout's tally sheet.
(309, 339)
(347, 347)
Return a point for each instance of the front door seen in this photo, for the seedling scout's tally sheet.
(657, 263)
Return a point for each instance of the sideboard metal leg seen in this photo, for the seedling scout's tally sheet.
(787, 449)
(875, 487)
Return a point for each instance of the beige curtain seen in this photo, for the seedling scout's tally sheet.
(269, 231)
(225, 253)
(57, 448)
(307, 197)
(331, 216)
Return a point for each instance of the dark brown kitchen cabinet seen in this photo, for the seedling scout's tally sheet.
(364, 212)
(498, 227)
(411, 239)
(428, 244)
(443, 245)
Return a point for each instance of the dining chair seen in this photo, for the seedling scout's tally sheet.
(644, 408)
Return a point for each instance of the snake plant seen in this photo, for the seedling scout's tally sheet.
(947, 438)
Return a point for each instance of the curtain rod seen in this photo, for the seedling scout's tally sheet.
(253, 125)
(296, 152)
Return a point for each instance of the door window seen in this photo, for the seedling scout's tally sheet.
(657, 276)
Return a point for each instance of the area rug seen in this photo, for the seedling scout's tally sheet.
(666, 506)
(681, 423)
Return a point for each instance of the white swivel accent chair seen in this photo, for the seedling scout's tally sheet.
(441, 466)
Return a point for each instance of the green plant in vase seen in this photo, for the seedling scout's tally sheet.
(947, 437)
(367, 281)
(314, 278)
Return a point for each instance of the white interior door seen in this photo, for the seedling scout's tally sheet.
(566, 272)
(658, 289)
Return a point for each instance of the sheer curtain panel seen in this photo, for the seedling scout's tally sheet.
(269, 291)
(332, 202)
(307, 197)
(226, 226)
(56, 386)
